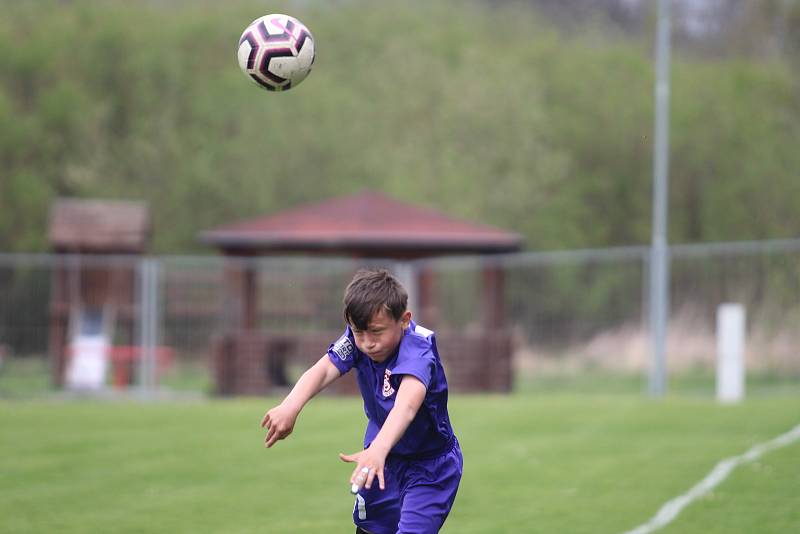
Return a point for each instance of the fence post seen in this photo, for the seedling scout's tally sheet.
(730, 353)
(148, 321)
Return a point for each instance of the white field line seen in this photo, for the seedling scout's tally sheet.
(672, 508)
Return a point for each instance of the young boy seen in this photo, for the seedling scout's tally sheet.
(410, 449)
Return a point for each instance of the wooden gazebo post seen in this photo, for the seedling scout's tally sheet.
(427, 307)
(496, 335)
(241, 295)
(238, 351)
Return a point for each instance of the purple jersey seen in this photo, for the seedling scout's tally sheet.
(430, 433)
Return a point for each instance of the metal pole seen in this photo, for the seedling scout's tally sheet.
(659, 264)
(148, 333)
(406, 274)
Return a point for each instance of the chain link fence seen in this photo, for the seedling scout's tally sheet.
(577, 319)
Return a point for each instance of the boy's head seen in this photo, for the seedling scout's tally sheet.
(375, 308)
(371, 291)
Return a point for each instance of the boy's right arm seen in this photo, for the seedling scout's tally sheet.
(280, 420)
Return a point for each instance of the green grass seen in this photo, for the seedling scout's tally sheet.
(24, 377)
(752, 488)
(695, 383)
(533, 463)
(30, 377)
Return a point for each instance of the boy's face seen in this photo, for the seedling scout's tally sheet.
(382, 335)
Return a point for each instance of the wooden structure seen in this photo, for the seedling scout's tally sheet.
(88, 233)
(367, 225)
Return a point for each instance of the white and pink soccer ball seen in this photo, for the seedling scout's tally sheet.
(276, 51)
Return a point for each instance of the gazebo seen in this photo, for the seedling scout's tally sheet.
(93, 298)
(366, 225)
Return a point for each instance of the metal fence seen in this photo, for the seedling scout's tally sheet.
(578, 317)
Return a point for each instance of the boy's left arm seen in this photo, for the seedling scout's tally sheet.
(409, 398)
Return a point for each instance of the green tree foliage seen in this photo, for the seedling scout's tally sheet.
(479, 111)
(735, 167)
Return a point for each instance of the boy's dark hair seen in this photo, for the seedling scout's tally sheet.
(370, 291)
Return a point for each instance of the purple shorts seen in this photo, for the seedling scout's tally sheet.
(418, 496)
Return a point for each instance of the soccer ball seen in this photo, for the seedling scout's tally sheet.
(276, 51)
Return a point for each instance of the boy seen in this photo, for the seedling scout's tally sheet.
(410, 449)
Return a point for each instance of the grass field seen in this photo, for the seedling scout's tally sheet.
(551, 463)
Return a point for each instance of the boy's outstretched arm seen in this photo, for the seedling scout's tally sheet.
(410, 396)
(280, 420)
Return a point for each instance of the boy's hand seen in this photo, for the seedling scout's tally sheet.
(279, 422)
(369, 464)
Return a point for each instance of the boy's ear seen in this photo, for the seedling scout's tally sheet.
(405, 319)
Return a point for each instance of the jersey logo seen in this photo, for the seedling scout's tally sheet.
(388, 390)
(343, 349)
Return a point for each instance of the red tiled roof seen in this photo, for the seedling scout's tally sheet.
(365, 222)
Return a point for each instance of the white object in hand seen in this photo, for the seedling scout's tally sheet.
(356, 486)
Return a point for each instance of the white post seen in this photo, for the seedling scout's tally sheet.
(730, 353)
